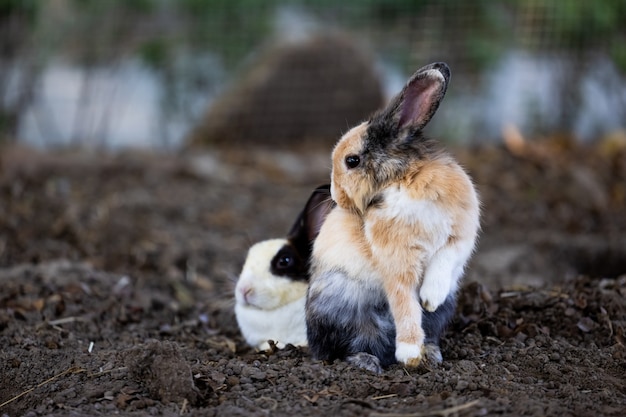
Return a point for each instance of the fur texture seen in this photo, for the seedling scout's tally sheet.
(405, 226)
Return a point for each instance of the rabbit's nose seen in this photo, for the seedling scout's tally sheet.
(247, 292)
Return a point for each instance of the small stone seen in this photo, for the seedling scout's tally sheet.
(461, 385)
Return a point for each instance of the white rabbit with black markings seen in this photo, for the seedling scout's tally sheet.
(271, 290)
(389, 257)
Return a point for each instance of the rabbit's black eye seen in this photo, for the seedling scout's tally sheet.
(285, 261)
(352, 161)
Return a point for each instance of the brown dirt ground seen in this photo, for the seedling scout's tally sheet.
(116, 277)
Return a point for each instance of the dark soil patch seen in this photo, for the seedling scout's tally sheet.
(116, 277)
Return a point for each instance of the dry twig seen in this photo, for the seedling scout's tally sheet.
(382, 397)
(441, 413)
(72, 370)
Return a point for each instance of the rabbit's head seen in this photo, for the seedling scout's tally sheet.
(276, 272)
(380, 151)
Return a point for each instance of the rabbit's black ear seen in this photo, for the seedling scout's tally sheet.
(310, 220)
(317, 208)
(418, 101)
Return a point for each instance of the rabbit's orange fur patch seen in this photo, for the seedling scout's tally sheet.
(357, 197)
(403, 303)
(335, 248)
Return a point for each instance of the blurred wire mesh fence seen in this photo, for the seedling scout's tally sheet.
(151, 72)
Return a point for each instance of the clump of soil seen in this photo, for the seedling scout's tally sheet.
(116, 277)
(160, 368)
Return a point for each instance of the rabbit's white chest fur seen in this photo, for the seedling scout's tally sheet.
(431, 223)
(283, 325)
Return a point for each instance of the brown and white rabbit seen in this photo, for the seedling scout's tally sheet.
(271, 290)
(393, 250)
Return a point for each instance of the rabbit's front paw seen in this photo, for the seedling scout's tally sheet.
(433, 294)
(263, 346)
(409, 354)
(270, 345)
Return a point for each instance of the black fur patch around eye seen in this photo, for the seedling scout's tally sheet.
(288, 263)
(382, 130)
(386, 141)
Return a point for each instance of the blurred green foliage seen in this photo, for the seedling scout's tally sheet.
(580, 26)
(24, 8)
(471, 34)
(577, 19)
(482, 29)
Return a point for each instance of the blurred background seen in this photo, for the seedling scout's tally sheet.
(165, 74)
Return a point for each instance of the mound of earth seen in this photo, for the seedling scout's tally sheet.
(306, 89)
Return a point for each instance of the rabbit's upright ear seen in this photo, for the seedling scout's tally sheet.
(310, 220)
(417, 102)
